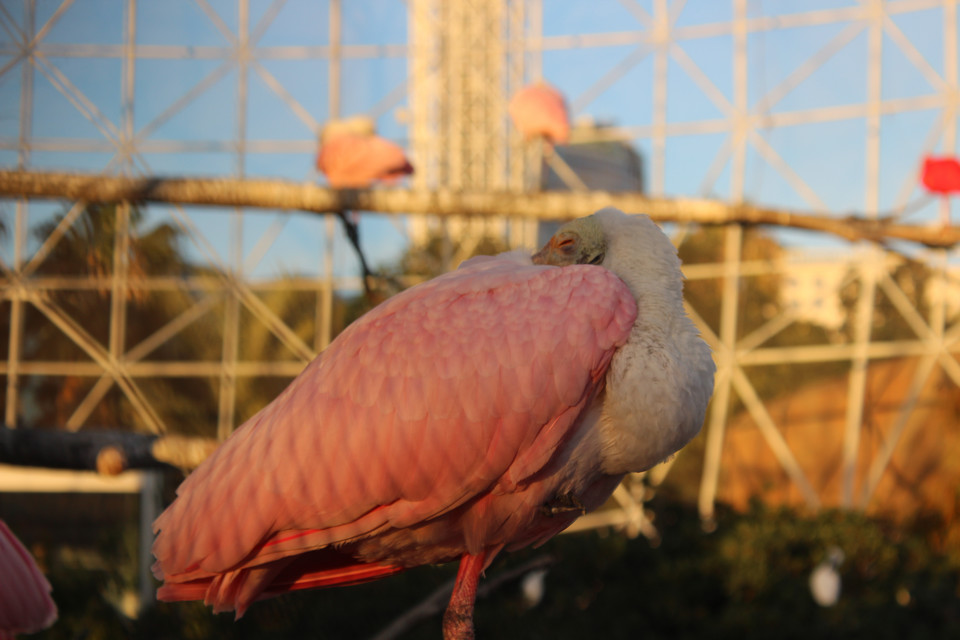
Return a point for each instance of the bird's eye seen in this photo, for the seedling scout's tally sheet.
(597, 259)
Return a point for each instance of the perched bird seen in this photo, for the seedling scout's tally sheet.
(540, 111)
(481, 411)
(25, 602)
(825, 579)
(352, 156)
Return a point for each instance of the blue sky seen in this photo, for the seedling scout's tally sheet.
(828, 156)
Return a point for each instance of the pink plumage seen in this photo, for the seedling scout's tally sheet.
(540, 110)
(352, 161)
(25, 602)
(436, 426)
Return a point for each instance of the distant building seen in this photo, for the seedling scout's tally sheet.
(602, 165)
(812, 282)
(811, 285)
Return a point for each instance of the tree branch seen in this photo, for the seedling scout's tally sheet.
(434, 604)
(553, 205)
(105, 451)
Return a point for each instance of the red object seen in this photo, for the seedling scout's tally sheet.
(941, 175)
(541, 111)
(25, 602)
(353, 161)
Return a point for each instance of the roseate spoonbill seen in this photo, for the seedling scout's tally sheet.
(540, 111)
(481, 411)
(352, 156)
(25, 602)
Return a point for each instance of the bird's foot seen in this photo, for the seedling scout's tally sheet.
(458, 625)
(562, 503)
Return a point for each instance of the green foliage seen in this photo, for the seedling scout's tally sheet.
(893, 584)
(435, 256)
(85, 253)
(758, 303)
(747, 580)
(758, 299)
(887, 322)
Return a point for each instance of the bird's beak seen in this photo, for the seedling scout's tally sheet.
(542, 256)
(546, 254)
(560, 251)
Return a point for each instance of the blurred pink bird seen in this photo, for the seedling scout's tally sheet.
(25, 602)
(353, 157)
(481, 411)
(540, 111)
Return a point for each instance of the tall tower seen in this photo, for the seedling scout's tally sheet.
(467, 58)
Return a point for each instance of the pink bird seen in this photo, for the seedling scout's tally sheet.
(481, 411)
(353, 157)
(540, 111)
(25, 602)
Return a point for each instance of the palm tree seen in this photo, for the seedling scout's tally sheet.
(81, 265)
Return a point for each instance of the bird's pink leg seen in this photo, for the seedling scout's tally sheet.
(458, 619)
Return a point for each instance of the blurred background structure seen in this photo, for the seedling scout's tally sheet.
(838, 381)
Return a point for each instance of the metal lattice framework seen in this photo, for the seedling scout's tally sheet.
(463, 60)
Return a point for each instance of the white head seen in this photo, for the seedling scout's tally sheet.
(631, 246)
(659, 383)
(360, 126)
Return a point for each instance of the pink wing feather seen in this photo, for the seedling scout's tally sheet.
(459, 387)
(25, 602)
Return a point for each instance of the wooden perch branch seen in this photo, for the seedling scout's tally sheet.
(105, 451)
(552, 205)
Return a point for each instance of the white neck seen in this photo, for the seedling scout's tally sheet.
(659, 383)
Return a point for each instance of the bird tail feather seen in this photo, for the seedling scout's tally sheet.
(238, 589)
